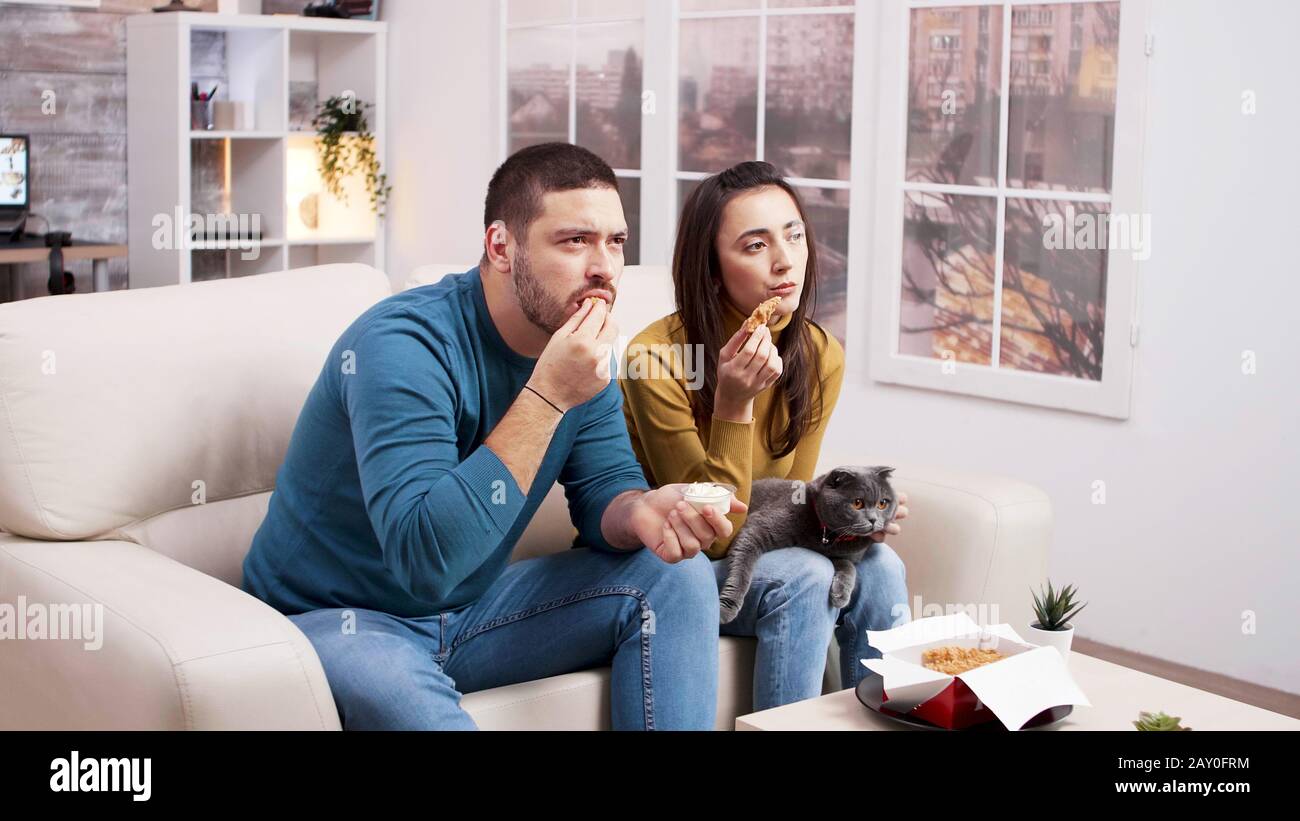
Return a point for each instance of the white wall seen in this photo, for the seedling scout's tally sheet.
(1200, 522)
(442, 127)
(1200, 519)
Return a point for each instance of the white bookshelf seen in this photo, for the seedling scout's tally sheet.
(268, 169)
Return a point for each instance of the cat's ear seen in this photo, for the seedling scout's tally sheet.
(836, 477)
(883, 473)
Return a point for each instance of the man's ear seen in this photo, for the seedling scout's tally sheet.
(497, 241)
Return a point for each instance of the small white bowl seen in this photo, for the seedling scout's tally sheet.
(722, 504)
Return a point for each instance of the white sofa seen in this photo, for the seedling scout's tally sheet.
(140, 435)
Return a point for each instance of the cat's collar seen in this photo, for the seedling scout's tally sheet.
(843, 537)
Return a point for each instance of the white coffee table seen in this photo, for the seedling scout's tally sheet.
(1117, 694)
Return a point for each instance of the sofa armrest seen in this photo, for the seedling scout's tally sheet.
(177, 649)
(973, 540)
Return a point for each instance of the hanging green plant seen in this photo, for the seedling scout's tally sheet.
(346, 146)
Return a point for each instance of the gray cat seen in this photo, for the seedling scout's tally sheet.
(833, 514)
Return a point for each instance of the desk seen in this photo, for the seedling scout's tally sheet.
(19, 252)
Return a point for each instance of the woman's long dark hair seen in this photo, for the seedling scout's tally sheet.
(697, 284)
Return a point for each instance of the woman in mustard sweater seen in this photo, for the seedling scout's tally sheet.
(736, 407)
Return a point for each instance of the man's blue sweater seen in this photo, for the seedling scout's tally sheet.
(388, 499)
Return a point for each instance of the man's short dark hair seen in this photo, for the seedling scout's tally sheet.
(514, 195)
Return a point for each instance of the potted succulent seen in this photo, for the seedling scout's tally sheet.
(1053, 611)
(345, 146)
(1158, 722)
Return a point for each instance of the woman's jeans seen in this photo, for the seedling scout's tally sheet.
(788, 610)
(656, 623)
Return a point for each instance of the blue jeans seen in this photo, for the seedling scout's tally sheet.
(788, 610)
(655, 623)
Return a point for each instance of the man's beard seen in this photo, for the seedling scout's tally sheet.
(538, 305)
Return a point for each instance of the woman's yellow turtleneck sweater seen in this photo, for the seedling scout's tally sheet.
(672, 448)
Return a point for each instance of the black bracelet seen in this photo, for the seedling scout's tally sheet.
(544, 399)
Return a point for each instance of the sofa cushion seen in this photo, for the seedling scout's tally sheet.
(580, 701)
(212, 538)
(114, 405)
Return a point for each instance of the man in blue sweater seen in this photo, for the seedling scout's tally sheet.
(441, 419)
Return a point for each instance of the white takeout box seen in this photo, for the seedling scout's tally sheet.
(1029, 680)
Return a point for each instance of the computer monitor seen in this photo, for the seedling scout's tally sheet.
(15, 173)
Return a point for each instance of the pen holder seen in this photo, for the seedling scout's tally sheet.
(201, 115)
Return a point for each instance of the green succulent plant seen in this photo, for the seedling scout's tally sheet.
(1158, 722)
(1055, 608)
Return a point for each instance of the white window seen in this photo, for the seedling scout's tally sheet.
(991, 152)
(773, 80)
(723, 81)
(574, 74)
(1008, 231)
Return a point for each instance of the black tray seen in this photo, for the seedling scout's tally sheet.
(871, 692)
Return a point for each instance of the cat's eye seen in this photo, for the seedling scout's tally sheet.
(882, 504)
(858, 504)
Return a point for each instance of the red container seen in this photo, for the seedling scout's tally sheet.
(956, 707)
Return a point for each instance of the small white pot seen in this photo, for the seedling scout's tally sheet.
(1060, 639)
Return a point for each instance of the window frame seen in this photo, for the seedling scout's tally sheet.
(659, 174)
(763, 12)
(1110, 396)
(573, 22)
(859, 13)
(876, 186)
